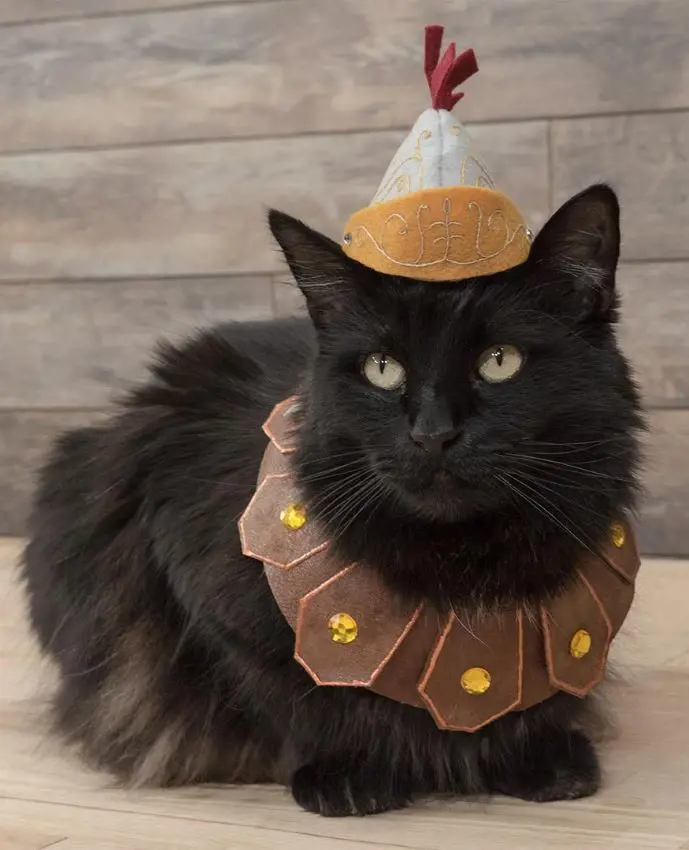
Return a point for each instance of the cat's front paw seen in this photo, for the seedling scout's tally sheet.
(336, 791)
(564, 769)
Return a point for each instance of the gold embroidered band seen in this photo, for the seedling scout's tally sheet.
(440, 234)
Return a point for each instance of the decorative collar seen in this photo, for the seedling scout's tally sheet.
(351, 631)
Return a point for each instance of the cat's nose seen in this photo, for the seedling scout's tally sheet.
(434, 441)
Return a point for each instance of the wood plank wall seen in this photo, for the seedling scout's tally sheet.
(141, 140)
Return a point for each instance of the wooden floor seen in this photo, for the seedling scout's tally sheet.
(47, 798)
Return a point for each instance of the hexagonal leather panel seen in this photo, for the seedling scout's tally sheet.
(280, 427)
(264, 535)
(579, 610)
(623, 557)
(490, 650)
(381, 625)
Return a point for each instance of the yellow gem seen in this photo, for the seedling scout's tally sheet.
(475, 680)
(618, 534)
(343, 628)
(580, 645)
(293, 516)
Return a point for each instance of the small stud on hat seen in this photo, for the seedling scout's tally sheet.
(437, 214)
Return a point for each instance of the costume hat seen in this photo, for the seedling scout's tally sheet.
(437, 214)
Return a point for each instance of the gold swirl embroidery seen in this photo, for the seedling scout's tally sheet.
(483, 178)
(401, 182)
(483, 229)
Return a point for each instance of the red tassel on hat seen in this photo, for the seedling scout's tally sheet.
(446, 73)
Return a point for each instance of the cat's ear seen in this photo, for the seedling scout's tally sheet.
(329, 280)
(579, 247)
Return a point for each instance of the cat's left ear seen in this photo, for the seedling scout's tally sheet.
(578, 248)
(330, 281)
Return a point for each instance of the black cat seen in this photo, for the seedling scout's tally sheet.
(466, 440)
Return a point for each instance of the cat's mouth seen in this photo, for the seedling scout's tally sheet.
(435, 493)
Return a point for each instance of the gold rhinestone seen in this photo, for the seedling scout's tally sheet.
(343, 628)
(475, 680)
(293, 516)
(617, 534)
(580, 645)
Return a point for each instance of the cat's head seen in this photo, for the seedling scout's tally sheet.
(445, 401)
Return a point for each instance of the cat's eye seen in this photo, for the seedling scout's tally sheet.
(383, 371)
(499, 363)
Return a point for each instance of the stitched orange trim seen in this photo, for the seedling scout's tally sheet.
(599, 672)
(298, 631)
(611, 560)
(430, 667)
(439, 719)
(355, 683)
(279, 411)
(242, 533)
(410, 625)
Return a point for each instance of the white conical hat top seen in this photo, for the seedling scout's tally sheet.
(437, 152)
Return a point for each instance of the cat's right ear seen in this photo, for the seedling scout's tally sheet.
(330, 281)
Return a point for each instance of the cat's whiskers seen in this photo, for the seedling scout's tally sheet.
(546, 484)
(586, 451)
(368, 498)
(356, 484)
(515, 484)
(330, 495)
(333, 471)
(568, 443)
(572, 480)
(355, 493)
(574, 468)
(357, 452)
(466, 625)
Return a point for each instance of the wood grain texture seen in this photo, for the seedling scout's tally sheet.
(16, 11)
(665, 529)
(654, 332)
(282, 67)
(25, 437)
(46, 791)
(287, 297)
(27, 838)
(200, 209)
(90, 340)
(646, 159)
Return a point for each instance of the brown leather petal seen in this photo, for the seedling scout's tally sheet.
(579, 609)
(624, 559)
(290, 586)
(381, 621)
(400, 676)
(614, 592)
(494, 646)
(536, 684)
(280, 427)
(265, 537)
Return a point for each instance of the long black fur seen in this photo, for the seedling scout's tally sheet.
(175, 663)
